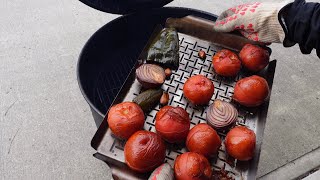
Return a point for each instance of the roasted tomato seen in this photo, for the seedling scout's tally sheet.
(192, 166)
(204, 140)
(144, 151)
(254, 58)
(226, 63)
(240, 143)
(173, 124)
(198, 90)
(125, 118)
(251, 91)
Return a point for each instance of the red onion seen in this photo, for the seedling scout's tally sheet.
(150, 75)
(221, 114)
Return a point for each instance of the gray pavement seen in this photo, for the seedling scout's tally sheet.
(46, 125)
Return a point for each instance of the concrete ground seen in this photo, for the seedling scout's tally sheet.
(46, 125)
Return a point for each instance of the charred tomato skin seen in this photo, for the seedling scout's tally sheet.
(240, 143)
(203, 139)
(192, 166)
(144, 151)
(172, 124)
(226, 63)
(251, 91)
(125, 118)
(254, 58)
(198, 90)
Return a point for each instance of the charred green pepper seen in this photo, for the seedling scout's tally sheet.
(148, 99)
(164, 49)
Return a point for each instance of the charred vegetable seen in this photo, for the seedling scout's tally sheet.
(240, 143)
(204, 140)
(251, 91)
(144, 151)
(221, 114)
(226, 63)
(165, 49)
(173, 124)
(198, 89)
(254, 57)
(164, 100)
(150, 75)
(125, 119)
(168, 73)
(202, 54)
(221, 174)
(191, 165)
(148, 99)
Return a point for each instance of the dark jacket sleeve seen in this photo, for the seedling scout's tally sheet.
(301, 23)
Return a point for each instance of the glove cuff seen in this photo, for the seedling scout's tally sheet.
(275, 32)
(281, 18)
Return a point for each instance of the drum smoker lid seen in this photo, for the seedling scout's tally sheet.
(124, 6)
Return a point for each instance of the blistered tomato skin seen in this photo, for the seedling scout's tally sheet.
(254, 58)
(144, 151)
(226, 63)
(240, 143)
(198, 90)
(125, 118)
(192, 166)
(251, 91)
(204, 140)
(172, 124)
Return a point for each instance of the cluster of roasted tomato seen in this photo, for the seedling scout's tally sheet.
(145, 151)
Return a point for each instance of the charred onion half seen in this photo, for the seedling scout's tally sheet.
(221, 114)
(150, 75)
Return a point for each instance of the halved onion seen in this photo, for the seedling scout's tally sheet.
(221, 114)
(150, 75)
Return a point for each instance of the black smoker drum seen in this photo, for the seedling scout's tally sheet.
(109, 55)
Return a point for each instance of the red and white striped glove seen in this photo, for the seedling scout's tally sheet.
(256, 21)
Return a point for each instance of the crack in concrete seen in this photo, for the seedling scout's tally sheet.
(13, 140)
(309, 173)
(296, 168)
(10, 108)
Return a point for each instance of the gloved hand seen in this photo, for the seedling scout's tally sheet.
(300, 20)
(256, 21)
